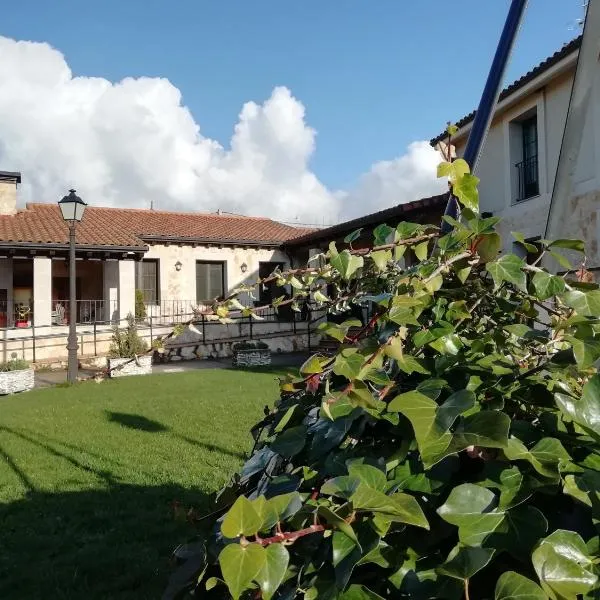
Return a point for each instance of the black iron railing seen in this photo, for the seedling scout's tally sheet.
(528, 178)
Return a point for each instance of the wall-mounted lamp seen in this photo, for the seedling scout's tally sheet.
(243, 267)
(178, 266)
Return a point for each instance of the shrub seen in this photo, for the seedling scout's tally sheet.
(126, 343)
(450, 449)
(249, 346)
(140, 306)
(14, 364)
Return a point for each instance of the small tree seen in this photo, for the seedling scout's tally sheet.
(449, 449)
(127, 343)
(140, 306)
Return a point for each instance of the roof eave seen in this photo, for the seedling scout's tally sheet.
(162, 239)
(509, 96)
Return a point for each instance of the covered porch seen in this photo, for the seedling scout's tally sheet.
(34, 290)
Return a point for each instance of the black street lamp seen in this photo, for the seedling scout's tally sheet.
(72, 208)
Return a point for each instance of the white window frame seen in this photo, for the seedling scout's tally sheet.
(537, 102)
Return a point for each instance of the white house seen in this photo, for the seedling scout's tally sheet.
(519, 159)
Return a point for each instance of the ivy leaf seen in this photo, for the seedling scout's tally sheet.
(586, 410)
(382, 233)
(465, 189)
(488, 429)
(398, 507)
(586, 304)
(290, 442)
(547, 285)
(320, 297)
(342, 487)
(267, 512)
(409, 364)
(273, 571)
(563, 566)
(393, 348)
(527, 245)
(489, 246)
(241, 519)
(286, 505)
(336, 521)
(368, 475)
(561, 260)
(472, 509)
(345, 263)
(463, 562)
(544, 456)
(453, 406)
(520, 531)
(508, 268)
(240, 565)
(586, 351)
(432, 440)
(381, 258)
(454, 170)
(351, 237)
(420, 250)
(576, 245)
(512, 586)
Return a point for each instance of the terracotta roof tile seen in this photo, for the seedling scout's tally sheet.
(43, 224)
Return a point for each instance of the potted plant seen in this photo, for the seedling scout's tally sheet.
(22, 319)
(127, 352)
(251, 354)
(15, 376)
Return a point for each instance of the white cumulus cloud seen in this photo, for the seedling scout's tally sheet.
(133, 142)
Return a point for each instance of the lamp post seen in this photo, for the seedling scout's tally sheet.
(72, 208)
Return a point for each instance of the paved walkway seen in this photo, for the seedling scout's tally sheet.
(51, 378)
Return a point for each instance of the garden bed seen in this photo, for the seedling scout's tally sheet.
(251, 354)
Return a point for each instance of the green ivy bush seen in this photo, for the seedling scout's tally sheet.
(140, 306)
(450, 449)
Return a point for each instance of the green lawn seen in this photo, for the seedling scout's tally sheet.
(88, 473)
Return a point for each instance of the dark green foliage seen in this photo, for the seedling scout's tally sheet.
(250, 346)
(140, 306)
(14, 364)
(449, 449)
(127, 343)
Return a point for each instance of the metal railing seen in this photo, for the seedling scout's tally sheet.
(528, 178)
(87, 311)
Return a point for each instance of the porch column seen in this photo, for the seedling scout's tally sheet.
(111, 290)
(126, 288)
(42, 291)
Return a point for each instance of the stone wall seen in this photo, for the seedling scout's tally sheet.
(16, 381)
(140, 366)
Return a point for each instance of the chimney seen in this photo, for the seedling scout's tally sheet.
(8, 191)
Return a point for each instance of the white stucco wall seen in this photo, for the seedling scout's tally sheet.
(181, 285)
(496, 167)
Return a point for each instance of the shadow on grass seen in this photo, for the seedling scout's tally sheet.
(135, 422)
(142, 423)
(109, 543)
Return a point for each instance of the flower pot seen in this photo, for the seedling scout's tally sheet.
(16, 381)
(22, 324)
(256, 357)
(140, 366)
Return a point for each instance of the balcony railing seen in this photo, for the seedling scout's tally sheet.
(528, 178)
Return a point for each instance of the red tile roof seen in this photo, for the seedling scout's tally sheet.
(123, 227)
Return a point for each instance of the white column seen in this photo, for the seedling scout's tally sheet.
(42, 291)
(126, 288)
(111, 290)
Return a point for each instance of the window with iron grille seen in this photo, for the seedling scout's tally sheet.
(146, 280)
(210, 281)
(528, 168)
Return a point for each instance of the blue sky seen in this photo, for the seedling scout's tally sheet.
(373, 75)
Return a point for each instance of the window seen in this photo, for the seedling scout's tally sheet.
(527, 168)
(210, 281)
(146, 280)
